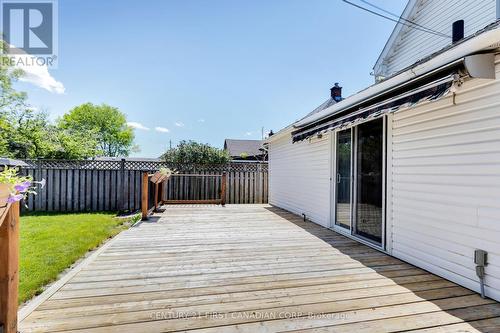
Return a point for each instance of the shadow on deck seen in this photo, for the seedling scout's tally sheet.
(481, 318)
(251, 268)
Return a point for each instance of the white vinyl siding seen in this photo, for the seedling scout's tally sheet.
(412, 45)
(299, 177)
(446, 184)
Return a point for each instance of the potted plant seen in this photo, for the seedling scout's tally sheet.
(14, 187)
(166, 172)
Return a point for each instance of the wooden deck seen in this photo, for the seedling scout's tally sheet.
(251, 268)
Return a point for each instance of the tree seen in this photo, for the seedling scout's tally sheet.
(190, 152)
(107, 123)
(11, 101)
(27, 133)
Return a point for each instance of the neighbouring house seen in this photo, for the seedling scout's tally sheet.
(411, 164)
(245, 150)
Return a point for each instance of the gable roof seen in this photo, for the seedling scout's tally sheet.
(483, 40)
(408, 44)
(238, 147)
(410, 8)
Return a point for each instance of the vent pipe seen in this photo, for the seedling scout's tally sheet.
(458, 31)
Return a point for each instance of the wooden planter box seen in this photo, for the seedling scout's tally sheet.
(9, 263)
(4, 195)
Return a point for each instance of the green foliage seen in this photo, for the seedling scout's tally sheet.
(106, 123)
(190, 152)
(10, 99)
(11, 177)
(50, 243)
(87, 131)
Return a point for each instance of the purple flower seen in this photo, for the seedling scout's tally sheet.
(15, 198)
(23, 187)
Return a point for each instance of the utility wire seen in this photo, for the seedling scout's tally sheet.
(402, 18)
(393, 20)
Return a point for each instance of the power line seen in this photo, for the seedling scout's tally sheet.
(393, 20)
(404, 19)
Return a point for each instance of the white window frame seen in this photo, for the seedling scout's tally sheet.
(387, 156)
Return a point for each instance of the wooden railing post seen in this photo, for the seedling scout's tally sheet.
(9, 268)
(144, 196)
(223, 189)
(156, 197)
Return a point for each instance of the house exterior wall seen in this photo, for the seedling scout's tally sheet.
(410, 45)
(445, 184)
(299, 177)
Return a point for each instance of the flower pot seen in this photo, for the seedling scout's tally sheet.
(4, 194)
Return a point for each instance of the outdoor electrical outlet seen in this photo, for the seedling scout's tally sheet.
(480, 257)
(481, 260)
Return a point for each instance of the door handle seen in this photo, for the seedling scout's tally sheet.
(338, 178)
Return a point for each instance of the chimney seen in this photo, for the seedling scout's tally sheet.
(336, 92)
(457, 33)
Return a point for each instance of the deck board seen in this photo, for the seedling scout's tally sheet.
(252, 268)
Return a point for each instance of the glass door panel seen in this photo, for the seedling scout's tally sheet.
(343, 179)
(369, 178)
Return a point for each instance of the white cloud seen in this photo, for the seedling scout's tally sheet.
(179, 124)
(201, 120)
(136, 125)
(38, 75)
(248, 133)
(162, 129)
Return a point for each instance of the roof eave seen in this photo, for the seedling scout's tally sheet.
(475, 44)
(407, 13)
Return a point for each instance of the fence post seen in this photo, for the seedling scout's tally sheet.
(9, 268)
(38, 197)
(121, 191)
(258, 187)
(223, 189)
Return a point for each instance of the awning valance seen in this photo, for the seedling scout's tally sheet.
(428, 92)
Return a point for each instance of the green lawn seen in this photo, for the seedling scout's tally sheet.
(52, 242)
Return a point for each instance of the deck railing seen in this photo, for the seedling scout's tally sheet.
(180, 188)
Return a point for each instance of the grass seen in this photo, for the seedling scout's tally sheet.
(50, 243)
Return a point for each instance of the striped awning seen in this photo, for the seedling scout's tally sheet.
(428, 92)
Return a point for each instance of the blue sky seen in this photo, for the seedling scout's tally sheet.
(209, 70)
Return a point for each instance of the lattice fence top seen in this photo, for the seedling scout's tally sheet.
(138, 165)
(73, 164)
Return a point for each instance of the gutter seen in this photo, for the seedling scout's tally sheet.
(482, 41)
(278, 135)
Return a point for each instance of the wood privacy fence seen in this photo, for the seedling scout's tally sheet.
(101, 185)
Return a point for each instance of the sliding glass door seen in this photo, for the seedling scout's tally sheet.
(369, 187)
(343, 181)
(359, 183)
